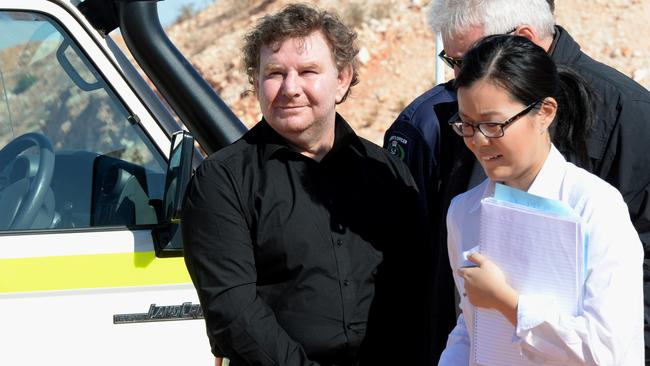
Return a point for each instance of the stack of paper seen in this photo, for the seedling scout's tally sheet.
(538, 245)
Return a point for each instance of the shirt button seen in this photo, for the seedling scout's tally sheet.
(339, 242)
(349, 326)
(346, 283)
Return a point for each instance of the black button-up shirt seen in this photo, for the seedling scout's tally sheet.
(288, 254)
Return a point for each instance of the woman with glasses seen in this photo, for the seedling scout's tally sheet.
(517, 111)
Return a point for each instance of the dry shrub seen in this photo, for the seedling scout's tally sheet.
(353, 15)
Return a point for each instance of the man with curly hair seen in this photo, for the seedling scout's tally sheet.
(304, 241)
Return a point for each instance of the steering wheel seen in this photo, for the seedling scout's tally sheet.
(26, 209)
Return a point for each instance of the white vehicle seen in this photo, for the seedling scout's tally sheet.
(91, 266)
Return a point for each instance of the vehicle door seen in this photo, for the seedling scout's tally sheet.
(82, 177)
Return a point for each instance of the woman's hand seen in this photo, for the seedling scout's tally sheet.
(486, 287)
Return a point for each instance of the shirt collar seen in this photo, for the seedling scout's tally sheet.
(344, 136)
(547, 184)
(556, 37)
(564, 49)
(268, 141)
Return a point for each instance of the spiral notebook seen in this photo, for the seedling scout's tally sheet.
(539, 246)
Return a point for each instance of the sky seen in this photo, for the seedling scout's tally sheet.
(168, 10)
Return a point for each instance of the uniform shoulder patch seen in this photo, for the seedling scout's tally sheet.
(398, 146)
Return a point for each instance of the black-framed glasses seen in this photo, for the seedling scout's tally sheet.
(458, 61)
(491, 130)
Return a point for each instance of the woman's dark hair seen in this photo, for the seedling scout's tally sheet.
(528, 74)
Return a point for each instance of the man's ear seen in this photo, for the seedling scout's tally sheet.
(344, 79)
(547, 112)
(527, 31)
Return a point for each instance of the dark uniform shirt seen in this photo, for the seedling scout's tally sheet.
(291, 256)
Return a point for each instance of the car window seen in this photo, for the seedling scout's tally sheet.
(71, 154)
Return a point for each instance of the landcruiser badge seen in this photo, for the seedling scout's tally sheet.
(186, 311)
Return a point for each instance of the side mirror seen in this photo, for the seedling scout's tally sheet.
(167, 236)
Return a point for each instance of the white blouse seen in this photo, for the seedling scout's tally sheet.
(610, 329)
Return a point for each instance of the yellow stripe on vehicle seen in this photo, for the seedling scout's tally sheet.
(90, 271)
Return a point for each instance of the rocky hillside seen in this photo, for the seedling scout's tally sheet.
(397, 49)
